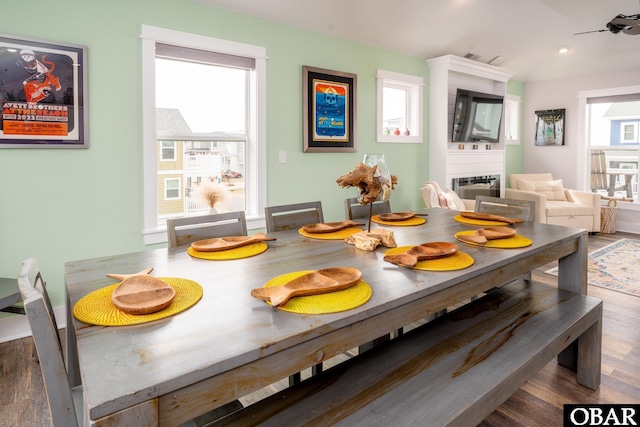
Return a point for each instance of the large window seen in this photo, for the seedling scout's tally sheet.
(613, 144)
(204, 114)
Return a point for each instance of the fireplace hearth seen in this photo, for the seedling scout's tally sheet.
(472, 186)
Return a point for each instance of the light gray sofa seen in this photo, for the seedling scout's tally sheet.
(554, 203)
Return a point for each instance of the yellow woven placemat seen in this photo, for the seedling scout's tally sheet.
(332, 302)
(96, 308)
(336, 235)
(235, 253)
(482, 222)
(407, 222)
(514, 242)
(457, 261)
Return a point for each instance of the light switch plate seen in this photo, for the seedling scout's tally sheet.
(282, 156)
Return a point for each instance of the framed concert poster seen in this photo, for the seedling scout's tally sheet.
(43, 94)
(328, 105)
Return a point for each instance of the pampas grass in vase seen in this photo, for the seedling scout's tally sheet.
(212, 194)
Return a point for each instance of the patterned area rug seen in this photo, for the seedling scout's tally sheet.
(615, 267)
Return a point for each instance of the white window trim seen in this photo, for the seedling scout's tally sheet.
(634, 138)
(583, 149)
(256, 179)
(415, 89)
(512, 103)
(167, 188)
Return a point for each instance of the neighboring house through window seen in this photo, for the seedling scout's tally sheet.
(203, 124)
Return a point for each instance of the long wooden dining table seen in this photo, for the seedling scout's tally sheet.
(230, 344)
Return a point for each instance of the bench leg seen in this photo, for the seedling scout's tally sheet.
(589, 363)
(584, 356)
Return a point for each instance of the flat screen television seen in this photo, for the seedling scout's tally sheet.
(477, 117)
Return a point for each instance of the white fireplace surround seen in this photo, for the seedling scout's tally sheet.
(446, 75)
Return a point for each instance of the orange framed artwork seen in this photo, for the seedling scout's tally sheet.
(42, 93)
(329, 106)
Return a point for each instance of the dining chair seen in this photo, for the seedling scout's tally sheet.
(182, 231)
(523, 209)
(353, 209)
(292, 217)
(65, 402)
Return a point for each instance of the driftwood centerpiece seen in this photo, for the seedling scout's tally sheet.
(370, 240)
(364, 177)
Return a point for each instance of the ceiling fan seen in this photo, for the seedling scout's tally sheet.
(622, 23)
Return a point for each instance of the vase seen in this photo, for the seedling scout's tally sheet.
(382, 173)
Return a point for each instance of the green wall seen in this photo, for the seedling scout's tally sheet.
(514, 152)
(64, 205)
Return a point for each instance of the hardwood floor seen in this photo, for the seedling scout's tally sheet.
(538, 403)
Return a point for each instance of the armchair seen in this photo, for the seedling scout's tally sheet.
(555, 204)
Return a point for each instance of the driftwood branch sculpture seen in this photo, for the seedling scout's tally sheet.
(364, 178)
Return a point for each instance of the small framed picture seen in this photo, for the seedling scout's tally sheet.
(550, 127)
(43, 93)
(329, 105)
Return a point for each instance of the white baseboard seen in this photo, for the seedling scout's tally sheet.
(17, 326)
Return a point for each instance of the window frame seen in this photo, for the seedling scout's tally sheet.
(511, 126)
(255, 150)
(172, 159)
(634, 139)
(166, 188)
(414, 86)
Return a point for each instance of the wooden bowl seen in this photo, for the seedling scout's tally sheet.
(397, 216)
(329, 227)
(142, 294)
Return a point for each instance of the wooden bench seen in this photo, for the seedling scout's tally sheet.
(455, 370)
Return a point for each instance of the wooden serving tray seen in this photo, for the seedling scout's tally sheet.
(141, 293)
(314, 283)
(482, 235)
(329, 227)
(224, 243)
(425, 251)
(397, 216)
(490, 217)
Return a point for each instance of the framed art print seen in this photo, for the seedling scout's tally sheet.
(550, 127)
(42, 93)
(329, 105)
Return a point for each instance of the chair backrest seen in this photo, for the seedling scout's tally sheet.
(47, 342)
(292, 217)
(523, 209)
(598, 170)
(353, 209)
(182, 231)
(514, 178)
(435, 197)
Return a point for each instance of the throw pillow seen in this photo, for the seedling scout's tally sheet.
(553, 190)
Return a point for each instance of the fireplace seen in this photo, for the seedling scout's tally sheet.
(472, 186)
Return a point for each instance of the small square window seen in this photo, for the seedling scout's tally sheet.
(399, 107)
(172, 188)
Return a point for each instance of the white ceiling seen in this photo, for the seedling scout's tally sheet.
(527, 33)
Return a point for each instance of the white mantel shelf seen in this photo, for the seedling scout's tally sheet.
(446, 160)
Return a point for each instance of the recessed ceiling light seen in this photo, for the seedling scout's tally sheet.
(563, 49)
